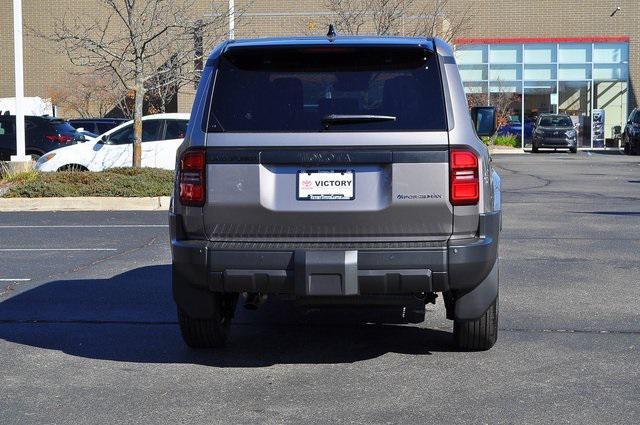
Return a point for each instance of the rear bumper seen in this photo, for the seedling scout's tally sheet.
(555, 142)
(315, 270)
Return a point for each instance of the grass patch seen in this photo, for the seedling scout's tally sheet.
(125, 182)
(9, 174)
(510, 141)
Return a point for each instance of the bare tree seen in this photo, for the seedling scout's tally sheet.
(503, 99)
(145, 44)
(87, 95)
(432, 18)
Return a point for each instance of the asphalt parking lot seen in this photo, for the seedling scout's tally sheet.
(88, 329)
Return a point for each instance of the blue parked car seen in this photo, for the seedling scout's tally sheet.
(514, 128)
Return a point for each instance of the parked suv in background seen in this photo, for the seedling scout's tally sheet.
(335, 172)
(97, 125)
(631, 134)
(555, 131)
(42, 134)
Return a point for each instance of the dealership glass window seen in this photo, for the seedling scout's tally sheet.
(540, 53)
(610, 72)
(473, 53)
(477, 93)
(611, 98)
(505, 72)
(574, 53)
(572, 78)
(506, 96)
(574, 72)
(610, 52)
(540, 72)
(505, 53)
(473, 72)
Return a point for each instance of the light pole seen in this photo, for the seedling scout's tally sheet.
(232, 19)
(19, 82)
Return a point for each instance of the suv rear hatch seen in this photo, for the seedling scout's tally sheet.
(327, 143)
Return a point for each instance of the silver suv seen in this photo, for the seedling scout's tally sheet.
(335, 171)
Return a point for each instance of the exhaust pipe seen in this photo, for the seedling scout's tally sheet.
(253, 300)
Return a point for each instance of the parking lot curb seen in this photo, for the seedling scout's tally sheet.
(155, 203)
(507, 151)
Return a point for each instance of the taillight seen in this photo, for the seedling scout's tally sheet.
(465, 184)
(58, 138)
(192, 178)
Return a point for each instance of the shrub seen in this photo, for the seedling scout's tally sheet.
(126, 182)
(510, 140)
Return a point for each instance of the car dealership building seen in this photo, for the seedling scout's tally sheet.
(576, 57)
(586, 78)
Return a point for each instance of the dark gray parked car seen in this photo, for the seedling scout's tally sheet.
(555, 131)
(335, 172)
(631, 134)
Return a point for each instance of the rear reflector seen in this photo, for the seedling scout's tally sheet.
(465, 184)
(192, 178)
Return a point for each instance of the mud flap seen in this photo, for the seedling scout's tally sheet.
(473, 304)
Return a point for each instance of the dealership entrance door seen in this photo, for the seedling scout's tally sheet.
(575, 101)
(539, 98)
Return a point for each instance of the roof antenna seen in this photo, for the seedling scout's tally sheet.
(331, 35)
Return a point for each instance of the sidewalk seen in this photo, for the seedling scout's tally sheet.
(506, 151)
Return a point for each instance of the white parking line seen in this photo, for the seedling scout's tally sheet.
(56, 249)
(85, 226)
(15, 280)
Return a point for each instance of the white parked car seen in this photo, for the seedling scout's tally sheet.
(161, 136)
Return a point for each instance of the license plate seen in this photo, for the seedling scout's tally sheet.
(321, 185)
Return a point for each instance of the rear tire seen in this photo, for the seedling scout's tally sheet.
(480, 334)
(627, 149)
(573, 150)
(209, 332)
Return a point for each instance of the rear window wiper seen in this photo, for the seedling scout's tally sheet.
(336, 119)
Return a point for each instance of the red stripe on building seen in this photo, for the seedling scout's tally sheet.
(519, 40)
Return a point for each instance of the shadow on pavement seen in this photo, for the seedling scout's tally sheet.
(131, 318)
(543, 151)
(607, 152)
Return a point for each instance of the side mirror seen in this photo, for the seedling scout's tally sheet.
(617, 130)
(484, 120)
(104, 140)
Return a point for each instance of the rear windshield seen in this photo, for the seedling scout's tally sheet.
(556, 122)
(294, 89)
(62, 127)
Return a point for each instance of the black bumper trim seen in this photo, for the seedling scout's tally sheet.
(462, 265)
(369, 282)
